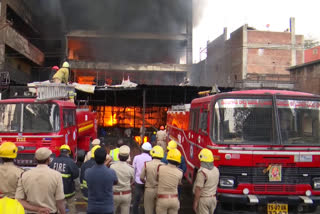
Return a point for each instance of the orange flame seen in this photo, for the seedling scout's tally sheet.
(138, 139)
(130, 117)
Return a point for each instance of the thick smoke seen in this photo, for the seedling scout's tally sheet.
(198, 9)
(127, 15)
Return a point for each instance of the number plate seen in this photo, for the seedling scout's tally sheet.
(277, 208)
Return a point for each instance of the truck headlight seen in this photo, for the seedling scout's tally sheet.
(226, 182)
(316, 183)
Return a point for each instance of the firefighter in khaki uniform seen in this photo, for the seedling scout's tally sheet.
(149, 177)
(40, 190)
(125, 174)
(205, 186)
(162, 138)
(9, 173)
(169, 177)
(62, 75)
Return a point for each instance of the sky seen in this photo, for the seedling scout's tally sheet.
(217, 14)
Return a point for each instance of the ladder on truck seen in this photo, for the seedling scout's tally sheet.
(52, 91)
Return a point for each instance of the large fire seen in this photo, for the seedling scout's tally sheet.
(130, 117)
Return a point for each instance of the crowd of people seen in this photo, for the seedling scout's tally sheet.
(108, 181)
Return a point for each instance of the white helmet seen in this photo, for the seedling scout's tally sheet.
(66, 65)
(146, 146)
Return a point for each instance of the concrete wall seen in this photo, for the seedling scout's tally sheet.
(307, 77)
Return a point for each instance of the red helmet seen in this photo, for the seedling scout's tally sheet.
(161, 127)
(55, 67)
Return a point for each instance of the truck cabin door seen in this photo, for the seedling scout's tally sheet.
(70, 128)
(193, 135)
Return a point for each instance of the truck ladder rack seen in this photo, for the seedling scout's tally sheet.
(52, 91)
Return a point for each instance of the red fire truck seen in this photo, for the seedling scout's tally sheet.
(31, 124)
(266, 144)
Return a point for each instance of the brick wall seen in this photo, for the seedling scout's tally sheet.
(312, 54)
(270, 52)
(251, 53)
(268, 61)
(268, 37)
(307, 78)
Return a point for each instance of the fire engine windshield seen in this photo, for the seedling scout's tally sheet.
(299, 121)
(252, 121)
(29, 117)
(243, 121)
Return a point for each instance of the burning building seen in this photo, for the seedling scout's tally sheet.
(106, 42)
(148, 42)
(18, 53)
(30, 41)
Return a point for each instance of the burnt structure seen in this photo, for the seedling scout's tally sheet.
(18, 54)
(30, 40)
(105, 42)
(148, 41)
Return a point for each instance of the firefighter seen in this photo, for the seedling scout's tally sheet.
(149, 177)
(95, 142)
(173, 145)
(205, 185)
(40, 189)
(161, 138)
(115, 152)
(69, 171)
(125, 174)
(54, 69)
(169, 177)
(62, 75)
(9, 173)
(12, 206)
(90, 163)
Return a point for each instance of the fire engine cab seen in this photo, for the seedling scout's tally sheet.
(45, 121)
(266, 145)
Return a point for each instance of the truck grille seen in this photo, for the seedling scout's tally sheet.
(255, 175)
(25, 160)
(274, 188)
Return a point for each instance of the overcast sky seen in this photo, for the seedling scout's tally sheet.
(232, 14)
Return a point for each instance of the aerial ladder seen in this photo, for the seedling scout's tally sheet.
(52, 91)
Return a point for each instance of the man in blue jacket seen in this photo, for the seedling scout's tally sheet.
(100, 180)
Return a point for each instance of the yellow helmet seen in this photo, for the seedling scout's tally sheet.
(205, 155)
(172, 145)
(65, 147)
(174, 155)
(12, 206)
(94, 149)
(66, 65)
(8, 150)
(157, 152)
